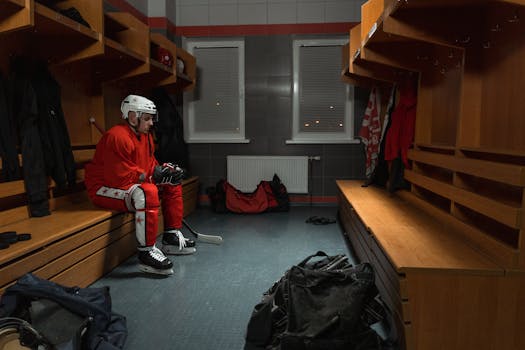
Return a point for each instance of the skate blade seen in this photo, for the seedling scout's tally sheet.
(174, 250)
(149, 269)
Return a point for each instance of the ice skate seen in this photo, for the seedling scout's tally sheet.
(174, 243)
(152, 260)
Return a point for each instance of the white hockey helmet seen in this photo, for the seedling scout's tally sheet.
(139, 105)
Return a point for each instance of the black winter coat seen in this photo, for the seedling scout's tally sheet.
(56, 145)
(23, 104)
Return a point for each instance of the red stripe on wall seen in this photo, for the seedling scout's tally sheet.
(158, 22)
(205, 200)
(265, 29)
(234, 30)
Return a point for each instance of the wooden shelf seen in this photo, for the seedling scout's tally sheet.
(127, 30)
(53, 37)
(162, 74)
(423, 20)
(187, 78)
(509, 174)
(494, 151)
(501, 212)
(15, 15)
(365, 68)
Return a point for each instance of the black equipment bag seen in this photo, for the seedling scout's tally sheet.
(62, 318)
(321, 304)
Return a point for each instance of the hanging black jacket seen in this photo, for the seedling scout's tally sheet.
(169, 131)
(56, 145)
(8, 152)
(23, 105)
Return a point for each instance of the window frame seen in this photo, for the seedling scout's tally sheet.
(190, 135)
(299, 137)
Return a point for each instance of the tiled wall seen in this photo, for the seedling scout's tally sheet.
(268, 82)
(238, 12)
(268, 87)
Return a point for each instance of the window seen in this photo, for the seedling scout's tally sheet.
(214, 110)
(323, 108)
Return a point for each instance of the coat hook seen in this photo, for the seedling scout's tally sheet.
(496, 28)
(514, 19)
(436, 63)
(465, 40)
(487, 45)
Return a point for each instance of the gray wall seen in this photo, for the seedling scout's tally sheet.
(268, 98)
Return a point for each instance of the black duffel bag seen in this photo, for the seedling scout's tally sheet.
(321, 303)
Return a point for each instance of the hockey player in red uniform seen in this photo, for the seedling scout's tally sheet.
(125, 176)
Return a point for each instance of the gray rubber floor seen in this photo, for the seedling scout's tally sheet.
(206, 304)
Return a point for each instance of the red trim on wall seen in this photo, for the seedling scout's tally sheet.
(234, 30)
(124, 6)
(205, 200)
(161, 23)
(158, 22)
(265, 29)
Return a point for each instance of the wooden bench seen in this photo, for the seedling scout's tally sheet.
(444, 293)
(75, 245)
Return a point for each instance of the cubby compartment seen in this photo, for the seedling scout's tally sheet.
(434, 172)
(501, 192)
(15, 15)
(186, 68)
(497, 156)
(432, 198)
(53, 37)
(495, 78)
(433, 148)
(126, 48)
(503, 233)
(438, 108)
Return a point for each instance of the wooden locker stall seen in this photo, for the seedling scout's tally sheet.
(96, 66)
(450, 252)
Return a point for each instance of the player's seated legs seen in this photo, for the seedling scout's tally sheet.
(144, 200)
(173, 241)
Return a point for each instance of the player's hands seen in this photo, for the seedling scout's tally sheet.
(167, 174)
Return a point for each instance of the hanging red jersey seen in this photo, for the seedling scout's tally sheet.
(400, 136)
(370, 132)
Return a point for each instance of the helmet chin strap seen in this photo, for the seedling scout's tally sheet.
(135, 127)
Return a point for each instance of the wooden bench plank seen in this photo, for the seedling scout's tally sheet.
(48, 229)
(47, 254)
(411, 238)
(12, 188)
(97, 265)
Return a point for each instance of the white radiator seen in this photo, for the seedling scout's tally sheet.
(245, 172)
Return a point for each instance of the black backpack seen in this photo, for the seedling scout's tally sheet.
(320, 304)
(50, 316)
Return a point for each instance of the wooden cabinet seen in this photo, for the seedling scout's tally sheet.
(97, 64)
(442, 291)
(469, 155)
(467, 165)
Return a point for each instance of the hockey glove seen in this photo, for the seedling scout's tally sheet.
(167, 174)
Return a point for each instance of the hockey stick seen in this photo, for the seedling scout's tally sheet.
(201, 237)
